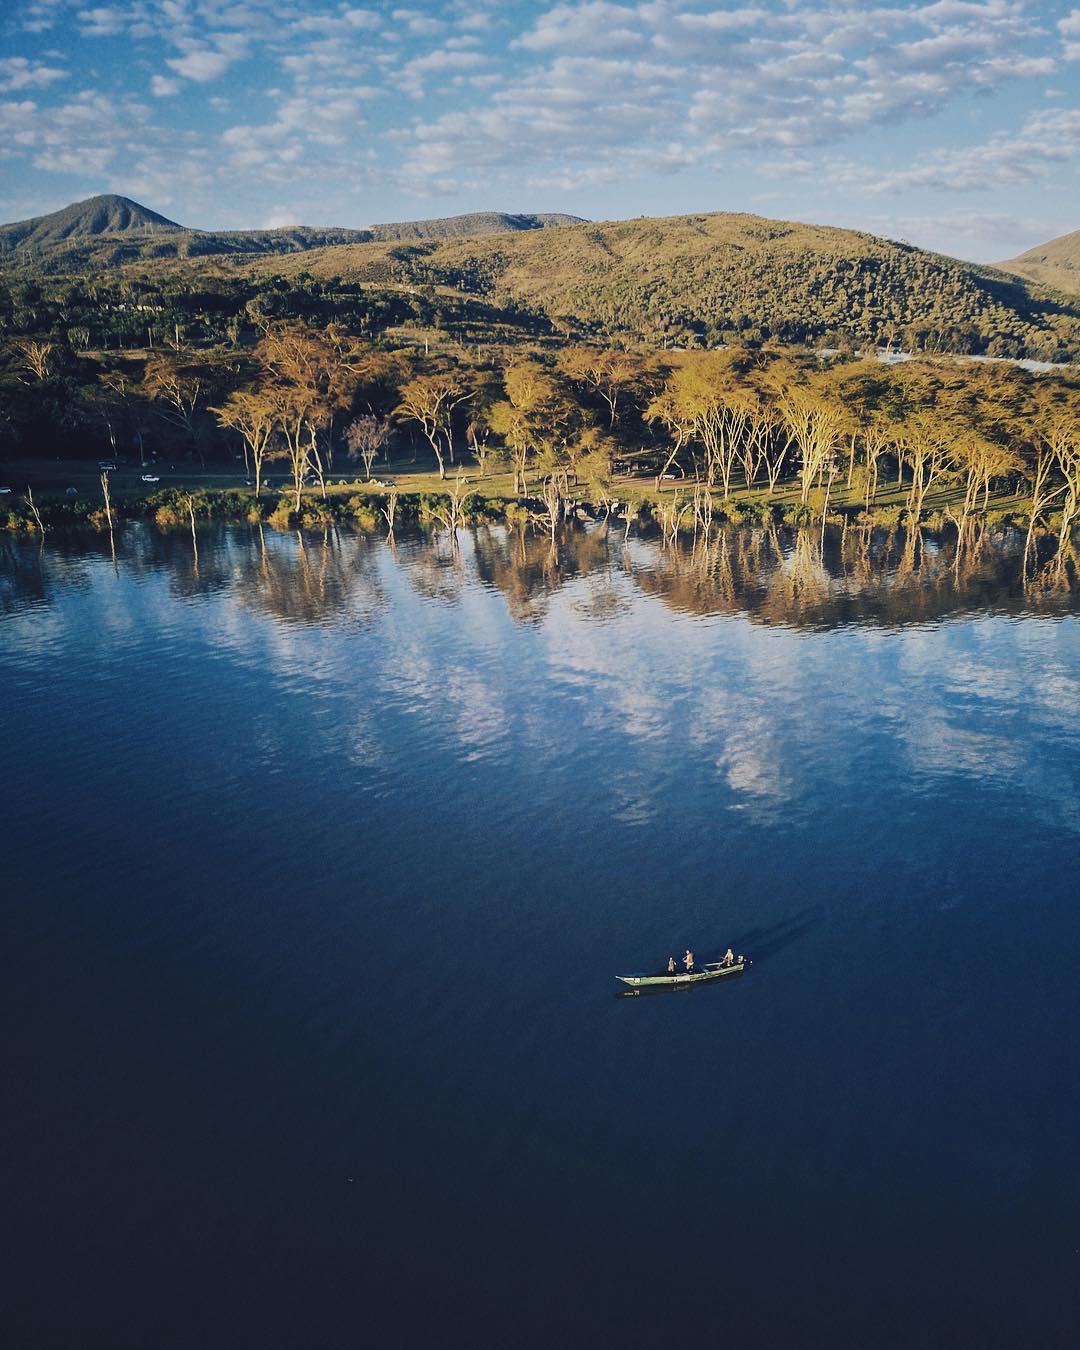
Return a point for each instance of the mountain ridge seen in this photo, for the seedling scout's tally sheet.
(112, 229)
(704, 278)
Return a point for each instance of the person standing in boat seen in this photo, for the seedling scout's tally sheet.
(671, 965)
(729, 957)
(688, 961)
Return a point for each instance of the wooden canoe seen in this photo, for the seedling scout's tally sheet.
(711, 970)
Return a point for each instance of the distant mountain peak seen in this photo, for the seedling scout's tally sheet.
(107, 214)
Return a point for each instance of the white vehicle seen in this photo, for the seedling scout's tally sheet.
(150, 478)
(3, 490)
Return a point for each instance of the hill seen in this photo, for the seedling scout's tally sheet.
(712, 277)
(108, 231)
(1055, 263)
(682, 280)
(90, 219)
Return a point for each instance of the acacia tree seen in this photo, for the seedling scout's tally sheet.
(816, 426)
(923, 447)
(978, 461)
(254, 415)
(36, 357)
(530, 418)
(664, 407)
(431, 400)
(1066, 450)
(304, 382)
(609, 374)
(174, 383)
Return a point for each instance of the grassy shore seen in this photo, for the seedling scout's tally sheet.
(225, 494)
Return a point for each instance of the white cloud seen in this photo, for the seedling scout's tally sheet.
(414, 73)
(17, 72)
(102, 21)
(1048, 139)
(595, 27)
(162, 87)
(200, 64)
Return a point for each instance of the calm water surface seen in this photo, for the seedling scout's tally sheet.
(319, 859)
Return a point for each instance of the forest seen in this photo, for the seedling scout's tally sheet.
(706, 428)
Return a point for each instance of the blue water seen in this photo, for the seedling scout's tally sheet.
(319, 859)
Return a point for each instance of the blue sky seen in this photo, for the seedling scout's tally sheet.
(954, 124)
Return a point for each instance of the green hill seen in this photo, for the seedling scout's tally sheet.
(711, 277)
(90, 219)
(1055, 263)
(680, 280)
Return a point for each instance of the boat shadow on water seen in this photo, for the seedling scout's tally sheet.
(759, 944)
(763, 943)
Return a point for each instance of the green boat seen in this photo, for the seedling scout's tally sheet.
(711, 970)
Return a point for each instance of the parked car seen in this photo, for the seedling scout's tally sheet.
(150, 478)
(106, 465)
(3, 490)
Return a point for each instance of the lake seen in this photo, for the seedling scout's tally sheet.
(320, 857)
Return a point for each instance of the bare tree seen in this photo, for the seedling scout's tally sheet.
(365, 437)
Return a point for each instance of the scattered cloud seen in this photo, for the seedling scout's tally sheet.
(18, 72)
(1048, 139)
(575, 98)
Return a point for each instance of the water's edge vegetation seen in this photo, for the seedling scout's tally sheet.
(676, 440)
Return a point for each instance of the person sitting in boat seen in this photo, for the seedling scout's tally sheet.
(671, 965)
(729, 957)
(688, 960)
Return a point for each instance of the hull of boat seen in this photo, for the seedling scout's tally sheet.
(714, 970)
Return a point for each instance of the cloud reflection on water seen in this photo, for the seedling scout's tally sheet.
(761, 663)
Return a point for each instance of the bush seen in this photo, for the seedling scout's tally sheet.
(17, 519)
(798, 515)
(363, 511)
(282, 517)
(316, 515)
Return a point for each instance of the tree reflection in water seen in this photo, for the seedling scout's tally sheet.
(798, 578)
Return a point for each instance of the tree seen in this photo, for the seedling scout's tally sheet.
(978, 461)
(254, 415)
(610, 374)
(36, 357)
(531, 417)
(816, 425)
(365, 437)
(304, 380)
(922, 443)
(174, 384)
(431, 400)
